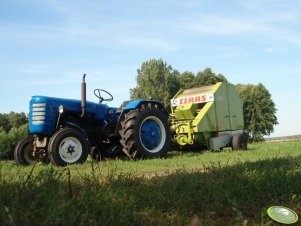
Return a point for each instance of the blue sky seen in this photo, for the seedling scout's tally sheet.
(46, 46)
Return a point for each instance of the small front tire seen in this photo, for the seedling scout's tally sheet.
(68, 146)
(23, 153)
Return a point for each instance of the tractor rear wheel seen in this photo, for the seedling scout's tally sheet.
(68, 146)
(239, 142)
(24, 154)
(145, 132)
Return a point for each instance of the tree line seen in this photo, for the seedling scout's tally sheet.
(157, 80)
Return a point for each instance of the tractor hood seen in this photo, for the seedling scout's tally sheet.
(43, 112)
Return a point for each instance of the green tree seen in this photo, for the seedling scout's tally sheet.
(17, 119)
(4, 122)
(259, 110)
(13, 119)
(156, 80)
(9, 140)
(13, 128)
(4, 144)
(207, 77)
(186, 80)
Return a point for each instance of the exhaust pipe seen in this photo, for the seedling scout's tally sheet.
(83, 100)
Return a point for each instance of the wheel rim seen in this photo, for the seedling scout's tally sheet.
(152, 134)
(28, 154)
(70, 149)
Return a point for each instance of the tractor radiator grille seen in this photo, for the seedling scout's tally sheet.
(38, 113)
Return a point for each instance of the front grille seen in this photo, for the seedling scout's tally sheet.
(38, 113)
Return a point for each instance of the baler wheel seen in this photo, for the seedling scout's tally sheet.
(68, 146)
(23, 153)
(145, 132)
(239, 142)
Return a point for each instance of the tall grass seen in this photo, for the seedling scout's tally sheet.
(225, 188)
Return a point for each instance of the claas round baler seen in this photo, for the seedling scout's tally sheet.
(208, 115)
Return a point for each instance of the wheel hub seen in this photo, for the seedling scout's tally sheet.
(152, 134)
(70, 149)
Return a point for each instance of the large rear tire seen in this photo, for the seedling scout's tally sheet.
(23, 153)
(145, 132)
(239, 142)
(68, 146)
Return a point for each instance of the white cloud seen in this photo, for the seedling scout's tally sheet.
(216, 25)
(83, 24)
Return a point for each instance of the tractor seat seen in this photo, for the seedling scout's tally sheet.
(122, 106)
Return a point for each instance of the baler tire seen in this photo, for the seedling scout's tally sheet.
(65, 142)
(145, 132)
(239, 142)
(23, 152)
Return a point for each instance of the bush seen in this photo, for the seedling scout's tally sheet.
(9, 140)
(4, 144)
(13, 119)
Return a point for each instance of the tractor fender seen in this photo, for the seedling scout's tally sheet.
(133, 105)
(75, 126)
(137, 103)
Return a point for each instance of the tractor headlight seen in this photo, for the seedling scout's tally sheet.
(61, 109)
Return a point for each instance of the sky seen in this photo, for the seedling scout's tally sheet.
(47, 45)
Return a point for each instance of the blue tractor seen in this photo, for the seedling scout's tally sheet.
(66, 131)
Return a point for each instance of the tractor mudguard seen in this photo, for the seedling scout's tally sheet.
(75, 126)
(136, 105)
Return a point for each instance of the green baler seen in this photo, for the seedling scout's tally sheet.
(210, 115)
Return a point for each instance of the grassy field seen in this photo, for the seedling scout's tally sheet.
(187, 188)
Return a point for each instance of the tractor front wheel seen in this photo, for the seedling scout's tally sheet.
(68, 146)
(145, 132)
(24, 154)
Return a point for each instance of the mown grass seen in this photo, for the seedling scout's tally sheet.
(208, 188)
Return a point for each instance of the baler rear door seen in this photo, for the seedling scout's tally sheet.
(222, 108)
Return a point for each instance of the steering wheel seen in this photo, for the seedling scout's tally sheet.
(97, 93)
